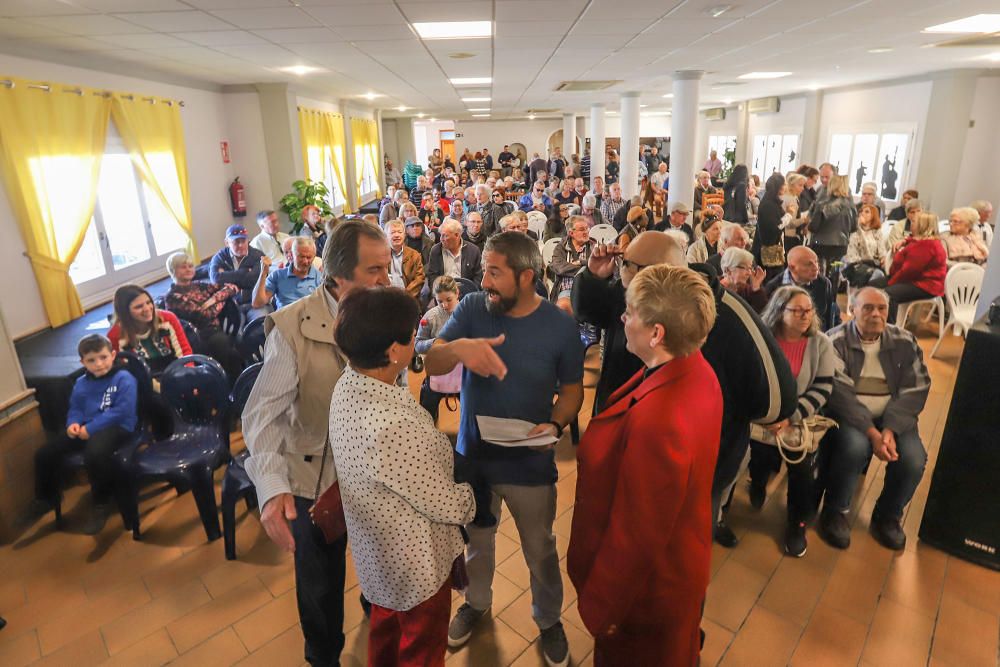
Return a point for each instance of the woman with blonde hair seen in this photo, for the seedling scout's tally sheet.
(919, 266)
(960, 241)
(832, 220)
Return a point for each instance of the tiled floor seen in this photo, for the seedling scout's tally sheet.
(77, 600)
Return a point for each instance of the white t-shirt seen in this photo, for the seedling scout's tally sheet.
(871, 388)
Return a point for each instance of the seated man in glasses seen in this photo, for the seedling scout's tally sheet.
(536, 199)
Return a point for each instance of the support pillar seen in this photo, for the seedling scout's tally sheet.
(684, 136)
(569, 135)
(947, 126)
(280, 116)
(598, 141)
(809, 148)
(628, 158)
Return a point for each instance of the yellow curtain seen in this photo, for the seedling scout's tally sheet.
(365, 137)
(322, 137)
(52, 142)
(153, 133)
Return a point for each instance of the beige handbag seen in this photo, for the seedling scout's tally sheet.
(772, 256)
(797, 439)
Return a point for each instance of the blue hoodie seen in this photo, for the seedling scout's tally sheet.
(100, 403)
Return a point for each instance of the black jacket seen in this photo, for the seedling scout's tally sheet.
(768, 226)
(472, 264)
(821, 291)
(756, 381)
(245, 277)
(735, 209)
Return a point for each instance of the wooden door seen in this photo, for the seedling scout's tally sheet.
(448, 150)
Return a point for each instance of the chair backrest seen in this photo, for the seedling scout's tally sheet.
(134, 364)
(197, 389)
(709, 199)
(536, 223)
(230, 318)
(465, 286)
(251, 344)
(241, 390)
(194, 338)
(962, 285)
(549, 249)
(603, 233)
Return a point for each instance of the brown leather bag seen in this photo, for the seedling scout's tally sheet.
(327, 513)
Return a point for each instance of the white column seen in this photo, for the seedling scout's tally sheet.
(597, 143)
(628, 157)
(684, 137)
(569, 135)
(809, 148)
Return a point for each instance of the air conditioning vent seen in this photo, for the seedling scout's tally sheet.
(585, 86)
(764, 105)
(727, 84)
(718, 113)
(992, 40)
(537, 111)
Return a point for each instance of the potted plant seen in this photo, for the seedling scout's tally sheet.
(305, 193)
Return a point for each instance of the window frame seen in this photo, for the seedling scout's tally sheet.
(881, 129)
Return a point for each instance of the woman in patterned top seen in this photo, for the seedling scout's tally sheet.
(155, 335)
(396, 471)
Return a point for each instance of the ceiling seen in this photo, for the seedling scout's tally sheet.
(368, 46)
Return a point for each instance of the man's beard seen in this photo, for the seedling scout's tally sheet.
(501, 307)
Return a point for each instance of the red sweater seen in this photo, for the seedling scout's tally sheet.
(170, 340)
(921, 262)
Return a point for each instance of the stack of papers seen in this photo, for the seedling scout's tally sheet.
(511, 432)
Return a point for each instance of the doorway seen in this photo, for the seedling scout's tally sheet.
(447, 141)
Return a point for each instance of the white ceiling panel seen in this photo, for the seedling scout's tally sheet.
(36, 8)
(325, 51)
(299, 35)
(474, 10)
(364, 33)
(539, 10)
(269, 55)
(71, 43)
(613, 10)
(145, 41)
(221, 38)
(21, 30)
(132, 5)
(351, 15)
(236, 4)
(89, 24)
(176, 21)
(261, 19)
(524, 28)
(596, 28)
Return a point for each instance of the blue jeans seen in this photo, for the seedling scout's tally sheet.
(851, 453)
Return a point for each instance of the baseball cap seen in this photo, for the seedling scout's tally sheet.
(681, 207)
(413, 220)
(236, 232)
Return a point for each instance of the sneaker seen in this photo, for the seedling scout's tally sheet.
(725, 536)
(888, 532)
(795, 539)
(834, 530)
(758, 493)
(98, 518)
(555, 648)
(461, 626)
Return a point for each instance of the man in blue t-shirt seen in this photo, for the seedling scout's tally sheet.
(518, 351)
(289, 284)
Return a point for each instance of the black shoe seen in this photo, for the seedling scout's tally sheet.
(366, 606)
(98, 518)
(795, 539)
(555, 648)
(834, 530)
(888, 532)
(758, 493)
(725, 536)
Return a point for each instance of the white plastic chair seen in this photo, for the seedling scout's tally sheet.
(536, 223)
(903, 311)
(603, 233)
(548, 250)
(961, 288)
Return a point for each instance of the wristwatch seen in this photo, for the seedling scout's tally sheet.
(559, 427)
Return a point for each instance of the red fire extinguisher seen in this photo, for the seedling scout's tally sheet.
(237, 198)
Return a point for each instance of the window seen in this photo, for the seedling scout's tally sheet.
(774, 153)
(336, 199)
(879, 157)
(725, 147)
(131, 231)
(368, 184)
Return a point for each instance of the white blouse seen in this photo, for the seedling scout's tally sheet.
(401, 502)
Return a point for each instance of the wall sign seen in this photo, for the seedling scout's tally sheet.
(224, 147)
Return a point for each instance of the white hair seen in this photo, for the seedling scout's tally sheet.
(733, 257)
(590, 200)
(300, 241)
(175, 260)
(680, 237)
(451, 225)
(482, 187)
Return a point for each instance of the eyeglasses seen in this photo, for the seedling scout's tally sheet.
(497, 194)
(800, 312)
(632, 266)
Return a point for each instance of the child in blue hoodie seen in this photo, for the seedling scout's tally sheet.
(102, 417)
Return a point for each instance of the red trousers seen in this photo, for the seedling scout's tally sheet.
(417, 637)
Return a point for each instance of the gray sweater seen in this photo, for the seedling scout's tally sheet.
(815, 379)
(430, 326)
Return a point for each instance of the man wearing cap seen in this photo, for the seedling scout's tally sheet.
(239, 264)
(417, 239)
(678, 219)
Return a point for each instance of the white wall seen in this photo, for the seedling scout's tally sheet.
(427, 137)
(204, 118)
(981, 157)
(390, 142)
(245, 133)
(788, 120)
(493, 134)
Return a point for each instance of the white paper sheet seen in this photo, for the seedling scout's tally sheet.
(511, 432)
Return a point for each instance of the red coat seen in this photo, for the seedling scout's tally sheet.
(642, 528)
(921, 262)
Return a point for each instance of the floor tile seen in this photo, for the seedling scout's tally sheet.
(766, 639)
(898, 636)
(965, 635)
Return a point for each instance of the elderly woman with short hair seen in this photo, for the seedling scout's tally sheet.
(641, 538)
(591, 210)
(740, 276)
(402, 506)
(707, 243)
(961, 243)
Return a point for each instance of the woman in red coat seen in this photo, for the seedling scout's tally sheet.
(919, 266)
(641, 540)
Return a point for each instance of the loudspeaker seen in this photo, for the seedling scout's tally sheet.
(962, 515)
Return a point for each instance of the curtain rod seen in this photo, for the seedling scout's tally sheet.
(79, 91)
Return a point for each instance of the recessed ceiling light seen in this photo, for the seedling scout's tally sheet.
(401, 108)
(981, 23)
(461, 55)
(371, 96)
(813, 86)
(479, 109)
(764, 75)
(471, 80)
(300, 70)
(531, 117)
(728, 100)
(668, 95)
(881, 49)
(421, 115)
(454, 29)
(643, 106)
(718, 10)
(480, 115)
(475, 99)
(992, 57)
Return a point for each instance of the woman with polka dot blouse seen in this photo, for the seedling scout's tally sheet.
(402, 505)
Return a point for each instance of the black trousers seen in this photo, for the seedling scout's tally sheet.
(222, 348)
(802, 478)
(903, 293)
(320, 570)
(97, 457)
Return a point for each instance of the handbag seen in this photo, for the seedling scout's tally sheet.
(772, 256)
(449, 383)
(327, 513)
(799, 439)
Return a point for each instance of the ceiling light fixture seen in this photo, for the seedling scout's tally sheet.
(480, 115)
(668, 96)
(643, 106)
(433, 120)
(718, 10)
(471, 80)
(421, 115)
(371, 96)
(881, 49)
(980, 23)
(764, 75)
(475, 99)
(479, 109)
(531, 117)
(454, 29)
(299, 70)
(401, 108)
(992, 57)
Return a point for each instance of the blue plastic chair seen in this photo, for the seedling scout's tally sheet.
(465, 286)
(197, 390)
(231, 318)
(236, 484)
(251, 343)
(123, 455)
(194, 338)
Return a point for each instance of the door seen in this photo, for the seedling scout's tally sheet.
(447, 140)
